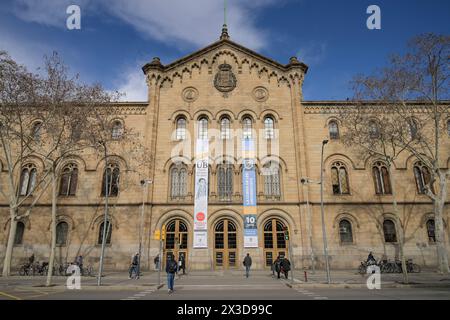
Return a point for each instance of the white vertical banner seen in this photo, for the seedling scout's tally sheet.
(201, 195)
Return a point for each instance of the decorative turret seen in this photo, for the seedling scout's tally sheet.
(224, 35)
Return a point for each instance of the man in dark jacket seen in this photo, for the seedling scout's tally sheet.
(247, 263)
(286, 267)
(134, 266)
(171, 269)
(277, 266)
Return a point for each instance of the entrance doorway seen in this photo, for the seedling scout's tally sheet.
(274, 241)
(225, 244)
(176, 243)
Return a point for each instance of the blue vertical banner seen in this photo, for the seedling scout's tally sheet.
(249, 194)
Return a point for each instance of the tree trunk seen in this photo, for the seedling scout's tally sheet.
(401, 236)
(10, 244)
(439, 202)
(53, 230)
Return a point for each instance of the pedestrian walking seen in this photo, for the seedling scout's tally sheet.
(277, 266)
(156, 261)
(79, 263)
(286, 266)
(182, 263)
(134, 267)
(171, 270)
(247, 263)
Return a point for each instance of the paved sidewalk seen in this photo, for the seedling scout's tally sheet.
(339, 279)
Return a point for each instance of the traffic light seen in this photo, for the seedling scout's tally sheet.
(286, 233)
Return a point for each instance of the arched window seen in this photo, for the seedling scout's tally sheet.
(110, 182)
(36, 131)
(339, 178)
(225, 181)
(390, 234)
(247, 128)
(448, 127)
(272, 183)
(269, 132)
(117, 130)
(20, 229)
(203, 128)
(178, 181)
(430, 231)
(423, 177)
(381, 178)
(108, 233)
(345, 231)
(413, 128)
(69, 180)
(28, 179)
(374, 130)
(333, 128)
(62, 229)
(225, 128)
(181, 128)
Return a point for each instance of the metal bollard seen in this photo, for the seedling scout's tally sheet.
(306, 276)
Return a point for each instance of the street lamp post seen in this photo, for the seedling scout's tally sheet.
(144, 184)
(325, 246)
(306, 181)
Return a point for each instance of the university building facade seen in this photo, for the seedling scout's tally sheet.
(227, 93)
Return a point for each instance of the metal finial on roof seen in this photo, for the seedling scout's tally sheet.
(224, 34)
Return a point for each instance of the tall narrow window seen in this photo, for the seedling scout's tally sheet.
(36, 131)
(69, 180)
(339, 178)
(431, 231)
(374, 130)
(272, 180)
(108, 233)
(20, 229)
(333, 129)
(181, 129)
(247, 128)
(110, 182)
(448, 127)
(117, 130)
(62, 229)
(225, 128)
(345, 231)
(413, 129)
(423, 177)
(381, 178)
(203, 128)
(225, 182)
(390, 234)
(178, 179)
(28, 180)
(269, 128)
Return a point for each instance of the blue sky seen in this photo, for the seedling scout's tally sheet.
(118, 36)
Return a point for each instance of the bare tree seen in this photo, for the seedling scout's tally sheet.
(370, 130)
(413, 91)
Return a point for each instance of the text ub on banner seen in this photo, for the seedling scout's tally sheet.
(201, 195)
(249, 194)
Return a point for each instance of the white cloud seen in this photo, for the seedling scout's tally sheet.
(180, 22)
(312, 53)
(133, 85)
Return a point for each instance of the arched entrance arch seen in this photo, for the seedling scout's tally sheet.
(225, 244)
(274, 241)
(176, 242)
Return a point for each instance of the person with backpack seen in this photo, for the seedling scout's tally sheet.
(171, 270)
(247, 264)
(134, 266)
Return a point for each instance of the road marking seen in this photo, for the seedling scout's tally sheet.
(140, 295)
(9, 296)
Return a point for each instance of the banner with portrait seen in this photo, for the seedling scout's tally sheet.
(201, 195)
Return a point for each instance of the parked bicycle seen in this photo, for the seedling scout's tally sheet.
(387, 266)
